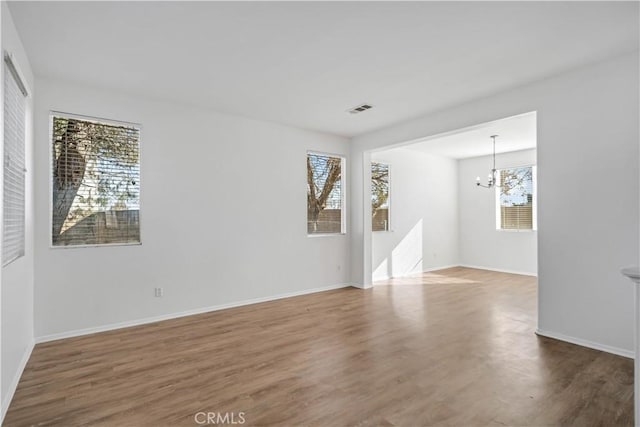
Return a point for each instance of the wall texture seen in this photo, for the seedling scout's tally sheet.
(481, 245)
(17, 277)
(223, 217)
(424, 215)
(587, 138)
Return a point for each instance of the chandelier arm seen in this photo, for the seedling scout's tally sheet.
(494, 152)
(493, 178)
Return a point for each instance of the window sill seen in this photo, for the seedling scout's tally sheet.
(326, 235)
(104, 245)
(507, 230)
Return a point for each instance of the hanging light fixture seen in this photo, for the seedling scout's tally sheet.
(492, 179)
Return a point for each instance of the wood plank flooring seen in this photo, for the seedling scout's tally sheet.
(454, 347)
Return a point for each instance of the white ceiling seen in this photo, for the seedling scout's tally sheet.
(514, 134)
(305, 63)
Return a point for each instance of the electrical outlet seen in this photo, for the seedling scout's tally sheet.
(159, 292)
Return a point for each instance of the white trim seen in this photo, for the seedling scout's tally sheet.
(98, 120)
(586, 343)
(500, 270)
(325, 235)
(143, 321)
(444, 267)
(343, 193)
(93, 119)
(15, 71)
(388, 165)
(428, 270)
(534, 200)
(95, 245)
(16, 379)
(359, 286)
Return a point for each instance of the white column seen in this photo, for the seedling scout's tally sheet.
(634, 274)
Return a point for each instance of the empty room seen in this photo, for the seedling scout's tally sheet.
(320, 213)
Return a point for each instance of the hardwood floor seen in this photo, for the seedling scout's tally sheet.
(454, 347)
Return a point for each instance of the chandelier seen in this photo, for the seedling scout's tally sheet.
(492, 179)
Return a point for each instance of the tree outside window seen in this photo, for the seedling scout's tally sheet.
(325, 197)
(516, 199)
(95, 182)
(379, 196)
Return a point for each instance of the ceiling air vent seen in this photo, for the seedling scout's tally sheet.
(360, 108)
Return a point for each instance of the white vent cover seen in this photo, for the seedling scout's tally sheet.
(360, 108)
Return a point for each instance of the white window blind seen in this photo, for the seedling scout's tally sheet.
(379, 196)
(13, 227)
(95, 181)
(516, 198)
(325, 194)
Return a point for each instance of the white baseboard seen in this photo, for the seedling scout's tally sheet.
(444, 267)
(586, 343)
(499, 270)
(16, 379)
(127, 324)
(428, 270)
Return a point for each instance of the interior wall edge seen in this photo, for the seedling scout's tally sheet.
(500, 270)
(16, 379)
(586, 343)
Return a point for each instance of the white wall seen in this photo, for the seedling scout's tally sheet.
(17, 277)
(440, 218)
(587, 150)
(423, 212)
(481, 245)
(240, 188)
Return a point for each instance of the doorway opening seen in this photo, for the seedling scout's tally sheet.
(429, 213)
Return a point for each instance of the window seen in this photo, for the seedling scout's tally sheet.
(379, 197)
(325, 194)
(14, 164)
(516, 199)
(95, 181)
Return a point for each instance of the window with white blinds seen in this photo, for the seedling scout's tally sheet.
(379, 196)
(95, 181)
(325, 194)
(516, 199)
(13, 226)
